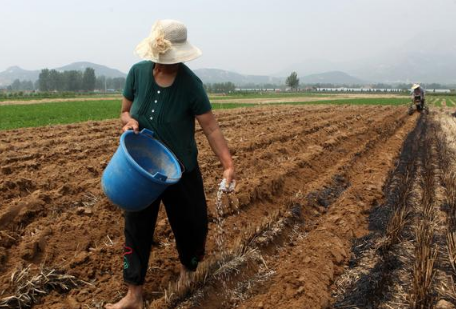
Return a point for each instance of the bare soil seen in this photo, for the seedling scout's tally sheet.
(309, 179)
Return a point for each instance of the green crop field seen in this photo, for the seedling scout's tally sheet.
(35, 115)
(52, 95)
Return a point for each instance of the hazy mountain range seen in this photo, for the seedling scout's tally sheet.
(428, 58)
(15, 72)
(206, 75)
(222, 76)
(400, 67)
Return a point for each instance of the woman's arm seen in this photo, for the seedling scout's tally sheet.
(128, 122)
(218, 144)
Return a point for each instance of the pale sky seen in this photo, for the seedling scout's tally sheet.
(259, 37)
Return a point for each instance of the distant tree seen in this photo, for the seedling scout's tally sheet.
(72, 80)
(223, 87)
(43, 80)
(229, 87)
(27, 85)
(434, 86)
(109, 83)
(208, 87)
(117, 83)
(293, 81)
(270, 86)
(100, 83)
(55, 81)
(381, 86)
(88, 80)
(16, 85)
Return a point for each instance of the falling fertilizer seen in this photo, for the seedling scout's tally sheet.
(220, 238)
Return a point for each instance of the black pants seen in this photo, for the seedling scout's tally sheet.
(186, 209)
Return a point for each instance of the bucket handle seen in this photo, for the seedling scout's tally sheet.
(150, 134)
(147, 132)
(160, 176)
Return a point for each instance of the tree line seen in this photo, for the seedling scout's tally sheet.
(87, 81)
(53, 80)
(220, 87)
(18, 85)
(69, 81)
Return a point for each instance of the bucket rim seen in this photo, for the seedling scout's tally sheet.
(142, 170)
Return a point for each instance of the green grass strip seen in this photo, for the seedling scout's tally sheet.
(59, 96)
(37, 115)
(43, 114)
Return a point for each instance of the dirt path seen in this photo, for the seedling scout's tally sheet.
(308, 179)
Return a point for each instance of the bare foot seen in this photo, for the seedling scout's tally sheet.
(133, 299)
(185, 278)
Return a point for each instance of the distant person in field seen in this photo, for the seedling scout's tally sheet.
(418, 91)
(162, 94)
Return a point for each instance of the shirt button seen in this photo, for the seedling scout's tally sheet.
(153, 110)
(158, 91)
(151, 118)
(156, 101)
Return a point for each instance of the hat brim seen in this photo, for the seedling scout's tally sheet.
(179, 52)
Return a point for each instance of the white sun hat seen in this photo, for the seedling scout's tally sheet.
(167, 44)
(415, 86)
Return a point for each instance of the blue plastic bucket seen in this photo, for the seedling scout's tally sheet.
(139, 171)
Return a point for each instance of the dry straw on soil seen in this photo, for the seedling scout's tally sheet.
(29, 287)
(229, 264)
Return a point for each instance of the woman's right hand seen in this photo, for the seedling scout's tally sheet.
(132, 124)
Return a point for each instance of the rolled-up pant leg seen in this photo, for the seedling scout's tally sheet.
(139, 232)
(186, 207)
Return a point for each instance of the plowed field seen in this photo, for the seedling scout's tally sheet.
(336, 206)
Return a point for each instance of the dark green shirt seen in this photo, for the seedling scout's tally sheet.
(169, 112)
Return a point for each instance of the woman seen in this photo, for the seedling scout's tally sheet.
(165, 96)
